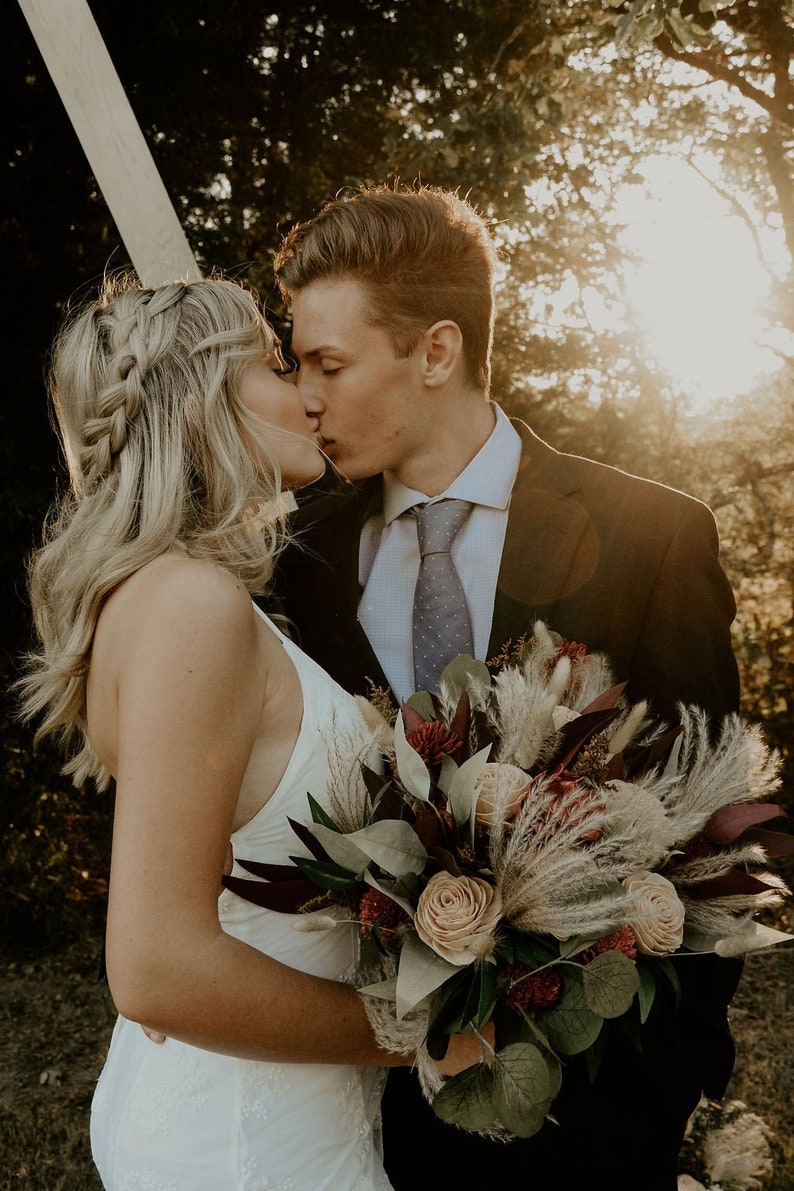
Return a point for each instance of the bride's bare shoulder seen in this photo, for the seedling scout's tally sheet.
(177, 589)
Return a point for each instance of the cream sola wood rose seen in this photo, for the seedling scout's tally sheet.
(457, 916)
(527, 858)
(659, 922)
(501, 791)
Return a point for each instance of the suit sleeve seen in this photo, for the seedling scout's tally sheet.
(685, 652)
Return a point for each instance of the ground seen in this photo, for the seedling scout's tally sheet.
(56, 1018)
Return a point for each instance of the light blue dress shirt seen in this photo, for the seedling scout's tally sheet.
(389, 553)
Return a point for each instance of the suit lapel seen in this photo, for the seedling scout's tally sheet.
(550, 548)
(334, 521)
(550, 551)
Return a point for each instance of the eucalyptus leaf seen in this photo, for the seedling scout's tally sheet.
(554, 1068)
(609, 983)
(462, 794)
(414, 774)
(467, 1099)
(466, 673)
(448, 770)
(522, 1088)
(341, 848)
(390, 890)
(392, 844)
(422, 701)
(571, 1025)
(420, 972)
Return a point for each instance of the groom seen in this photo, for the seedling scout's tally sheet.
(392, 301)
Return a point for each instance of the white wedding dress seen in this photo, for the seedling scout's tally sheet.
(173, 1117)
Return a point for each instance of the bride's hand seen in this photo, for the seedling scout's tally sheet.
(465, 1050)
(154, 1036)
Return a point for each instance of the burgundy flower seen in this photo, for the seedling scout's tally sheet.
(376, 909)
(567, 649)
(531, 990)
(433, 741)
(623, 939)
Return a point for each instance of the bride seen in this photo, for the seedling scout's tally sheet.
(155, 669)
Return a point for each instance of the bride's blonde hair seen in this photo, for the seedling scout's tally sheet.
(161, 452)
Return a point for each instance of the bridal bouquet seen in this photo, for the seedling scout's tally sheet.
(533, 853)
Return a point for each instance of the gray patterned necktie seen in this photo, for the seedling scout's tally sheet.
(441, 623)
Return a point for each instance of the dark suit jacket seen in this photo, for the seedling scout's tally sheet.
(619, 563)
(631, 568)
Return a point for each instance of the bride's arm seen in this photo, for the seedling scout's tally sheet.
(191, 673)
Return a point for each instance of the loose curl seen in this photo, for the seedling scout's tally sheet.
(145, 388)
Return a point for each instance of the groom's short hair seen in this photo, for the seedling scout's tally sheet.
(424, 254)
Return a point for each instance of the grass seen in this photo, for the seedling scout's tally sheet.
(56, 1018)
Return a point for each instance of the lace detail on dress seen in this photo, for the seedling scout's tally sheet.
(172, 1087)
(254, 1182)
(261, 1086)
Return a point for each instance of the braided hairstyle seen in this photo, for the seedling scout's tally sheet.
(144, 385)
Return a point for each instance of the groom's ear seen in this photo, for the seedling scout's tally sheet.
(442, 350)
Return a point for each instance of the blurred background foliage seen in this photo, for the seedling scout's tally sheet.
(582, 129)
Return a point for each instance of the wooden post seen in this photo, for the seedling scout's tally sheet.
(81, 68)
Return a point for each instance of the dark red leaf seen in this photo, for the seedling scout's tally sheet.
(576, 733)
(446, 861)
(659, 748)
(728, 823)
(735, 881)
(774, 843)
(432, 830)
(614, 771)
(606, 699)
(374, 781)
(460, 726)
(411, 717)
(286, 897)
(306, 837)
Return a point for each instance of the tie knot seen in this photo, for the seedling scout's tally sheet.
(438, 524)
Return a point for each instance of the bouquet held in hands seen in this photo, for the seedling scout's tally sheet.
(533, 853)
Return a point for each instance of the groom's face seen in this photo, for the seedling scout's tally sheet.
(371, 406)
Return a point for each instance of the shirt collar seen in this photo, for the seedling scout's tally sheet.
(487, 480)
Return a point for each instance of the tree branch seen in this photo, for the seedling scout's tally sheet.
(777, 109)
